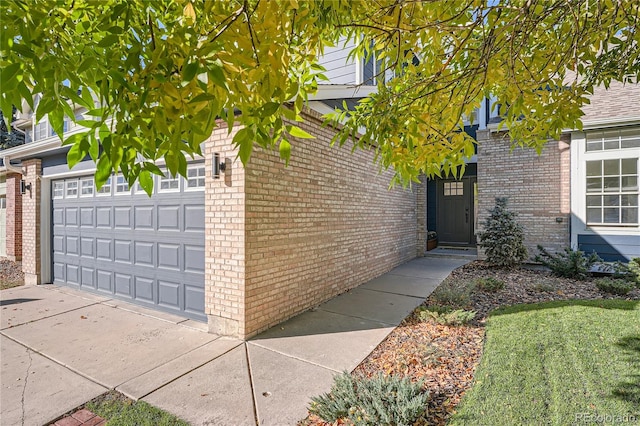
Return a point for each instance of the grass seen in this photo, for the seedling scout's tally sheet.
(558, 363)
(119, 410)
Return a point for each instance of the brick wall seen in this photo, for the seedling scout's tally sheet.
(312, 230)
(14, 216)
(538, 187)
(31, 265)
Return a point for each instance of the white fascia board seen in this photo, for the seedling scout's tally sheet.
(342, 91)
(325, 109)
(608, 122)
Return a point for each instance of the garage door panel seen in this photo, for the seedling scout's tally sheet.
(58, 216)
(194, 218)
(146, 250)
(71, 216)
(169, 218)
(122, 217)
(86, 217)
(194, 258)
(72, 245)
(104, 280)
(103, 249)
(144, 289)
(168, 294)
(143, 252)
(143, 217)
(88, 277)
(122, 252)
(103, 217)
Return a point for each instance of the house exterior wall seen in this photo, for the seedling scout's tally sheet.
(538, 187)
(14, 217)
(31, 224)
(301, 234)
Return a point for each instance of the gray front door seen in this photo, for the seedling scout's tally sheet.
(455, 211)
(120, 242)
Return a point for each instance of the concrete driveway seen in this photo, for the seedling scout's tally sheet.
(60, 348)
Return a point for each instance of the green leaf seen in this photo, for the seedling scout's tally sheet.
(146, 181)
(285, 150)
(297, 132)
(8, 75)
(216, 74)
(56, 119)
(268, 109)
(190, 71)
(103, 170)
(76, 153)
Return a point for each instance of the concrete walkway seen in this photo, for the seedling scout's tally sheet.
(61, 348)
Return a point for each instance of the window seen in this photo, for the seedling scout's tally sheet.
(169, 183)
(58, 189)
(453, 188)
(41, 130)
(612, 191)
(106, 188)
(72, 188)
(86, 187)
(616, 139)
(122, 186)
(195, 176)
(3, 202)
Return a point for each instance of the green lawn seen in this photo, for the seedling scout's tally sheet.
(118, 410)
(558, 363)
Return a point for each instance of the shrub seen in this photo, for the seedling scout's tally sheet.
(446, 316)
(453, 293)
(380, 400)
(568, 263)
(634, 270)
(544, 287)
(614, 286)
(503, 237)
(490, 284)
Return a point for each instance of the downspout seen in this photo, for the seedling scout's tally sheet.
(11, 168)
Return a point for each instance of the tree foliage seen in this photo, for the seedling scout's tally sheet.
(155, 76)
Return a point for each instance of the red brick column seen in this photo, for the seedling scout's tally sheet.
(14, 217)
(31, 259)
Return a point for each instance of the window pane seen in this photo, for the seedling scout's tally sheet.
(594, 168)
(629, 200)
(611, 167)
(594, 184)
(611, 184)
(630, 215)
(611, 215)
(594, 146)
(629, 183)
(629, 166)
(594, 215)
(611, 144)
(611, 200)
(594, 200)
(631, 143)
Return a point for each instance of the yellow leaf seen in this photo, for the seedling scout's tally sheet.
(189, 13)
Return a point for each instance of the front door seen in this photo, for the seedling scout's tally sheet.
(456, 211)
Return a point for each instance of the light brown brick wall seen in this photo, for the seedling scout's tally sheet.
(14, 216)
(31, 265)
(538, 187)
(326, 223)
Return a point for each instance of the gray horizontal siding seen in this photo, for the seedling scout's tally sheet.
(611, 248)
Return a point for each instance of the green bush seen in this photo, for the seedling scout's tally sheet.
(503, 237)
(445, 316)
(453, 293)
(544, 287)
(614, 286)
(380, 400)
(490, 284)
(634, 270)
(568, 263)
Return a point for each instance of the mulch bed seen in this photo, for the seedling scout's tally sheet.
(11, 274)
(446, 357)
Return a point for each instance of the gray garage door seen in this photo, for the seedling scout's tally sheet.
(119, 242)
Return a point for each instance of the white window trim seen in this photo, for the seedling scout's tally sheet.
(579, 157)
(66, 188)
(168, 190)
(204, 176)
(93, 187)
(109, 182)
(114, 185)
